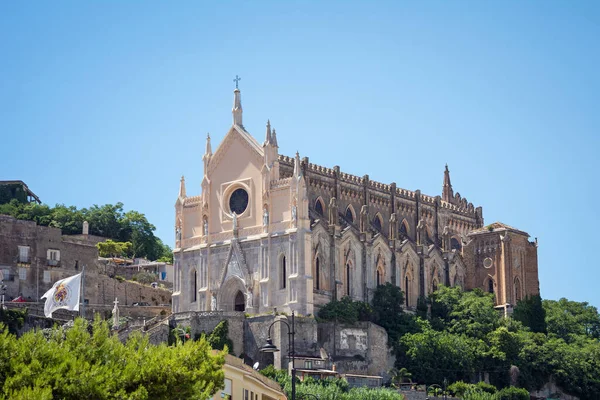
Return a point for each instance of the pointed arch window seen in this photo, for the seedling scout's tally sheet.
(404, 228)
(490, 287)
(317, 274)
(194, 286)
(517, 290)
(377, 223)
(319, 208)
(379, 278)
(348, 278)
(406, 291)
(283, 277)
(455, 244)
(349, 214)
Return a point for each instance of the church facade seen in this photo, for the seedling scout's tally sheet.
(271, 232)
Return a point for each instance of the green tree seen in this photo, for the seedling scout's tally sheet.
(85, 362)
(219, 337)
(109, 248)
(531, 313)
(567, 319)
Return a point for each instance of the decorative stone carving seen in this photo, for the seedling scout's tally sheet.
(364, 217)
(265, 217)
(333, 211)
(421, 233)
(213, 302)
(393, 226)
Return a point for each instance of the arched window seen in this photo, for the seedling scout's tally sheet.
(349, 214)
(434, 285)
(194, 286)
(455, 244)
(491, 285)
(348, 279)
(517, 290)
(377, 223)
(319, 207)
(317, 274)
(406, 293)
(283, 277)
(404, 228)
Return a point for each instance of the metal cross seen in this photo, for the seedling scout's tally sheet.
(236, 80)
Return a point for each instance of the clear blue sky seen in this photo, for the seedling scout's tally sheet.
(110, 101)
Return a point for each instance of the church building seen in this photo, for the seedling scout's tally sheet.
(272, 232)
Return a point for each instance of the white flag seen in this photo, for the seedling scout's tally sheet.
(63, 294)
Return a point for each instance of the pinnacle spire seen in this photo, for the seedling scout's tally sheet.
(237, 104)
(182, 187)
(297, 171)
(447, 192)
(268, 135)
(208, 151)
(274, 138)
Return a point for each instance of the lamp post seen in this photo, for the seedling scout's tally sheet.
(271, 348)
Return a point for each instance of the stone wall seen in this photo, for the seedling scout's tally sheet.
(205, 322)
(359, 349)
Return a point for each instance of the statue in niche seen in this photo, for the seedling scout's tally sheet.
(213, 303)
(333, 211)
(421, 233)
(265, 216)
(178, 233)
(364, 216)
(205, 226)
(393, 226)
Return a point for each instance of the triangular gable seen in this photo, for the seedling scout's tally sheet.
(247, 140)
(235, 266)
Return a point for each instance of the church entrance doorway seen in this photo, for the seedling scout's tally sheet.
(240, 302)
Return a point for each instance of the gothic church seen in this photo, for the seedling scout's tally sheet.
(272, 232)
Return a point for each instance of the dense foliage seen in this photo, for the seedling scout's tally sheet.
(109, 221)
(87, 362)
(463, 337)
(328, 389)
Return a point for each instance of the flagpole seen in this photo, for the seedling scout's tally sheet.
(82, 308)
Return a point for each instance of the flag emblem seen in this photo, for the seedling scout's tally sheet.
(62, 294)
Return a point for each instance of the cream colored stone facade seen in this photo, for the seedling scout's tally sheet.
(275, 232)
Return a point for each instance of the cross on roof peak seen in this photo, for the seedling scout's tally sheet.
(236, 80)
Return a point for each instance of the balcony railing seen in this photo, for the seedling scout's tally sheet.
(54, 263)
(24, 259)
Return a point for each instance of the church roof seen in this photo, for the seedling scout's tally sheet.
(497, 227)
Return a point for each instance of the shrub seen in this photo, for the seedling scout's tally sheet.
(459, 388)
(513, 393)
(486, 387)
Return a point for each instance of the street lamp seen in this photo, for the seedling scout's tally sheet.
(271, 348)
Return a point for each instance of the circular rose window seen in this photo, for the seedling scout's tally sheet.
(238, 201)
(488, 262)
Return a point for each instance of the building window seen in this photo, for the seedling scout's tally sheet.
(238, 201)
(47, 277)
(246, 393)
(319, 207)
(349, 214)
(491, 286)
(283, 273)
(404, 228)
(194, 286)
(406, 293)
(377, 223)
(53, 257)
(22, 274)
(24, 254)
(379, 278)
(348, 279)
(455, 244)
(308, 364)
(317, 273)
(517, 290)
